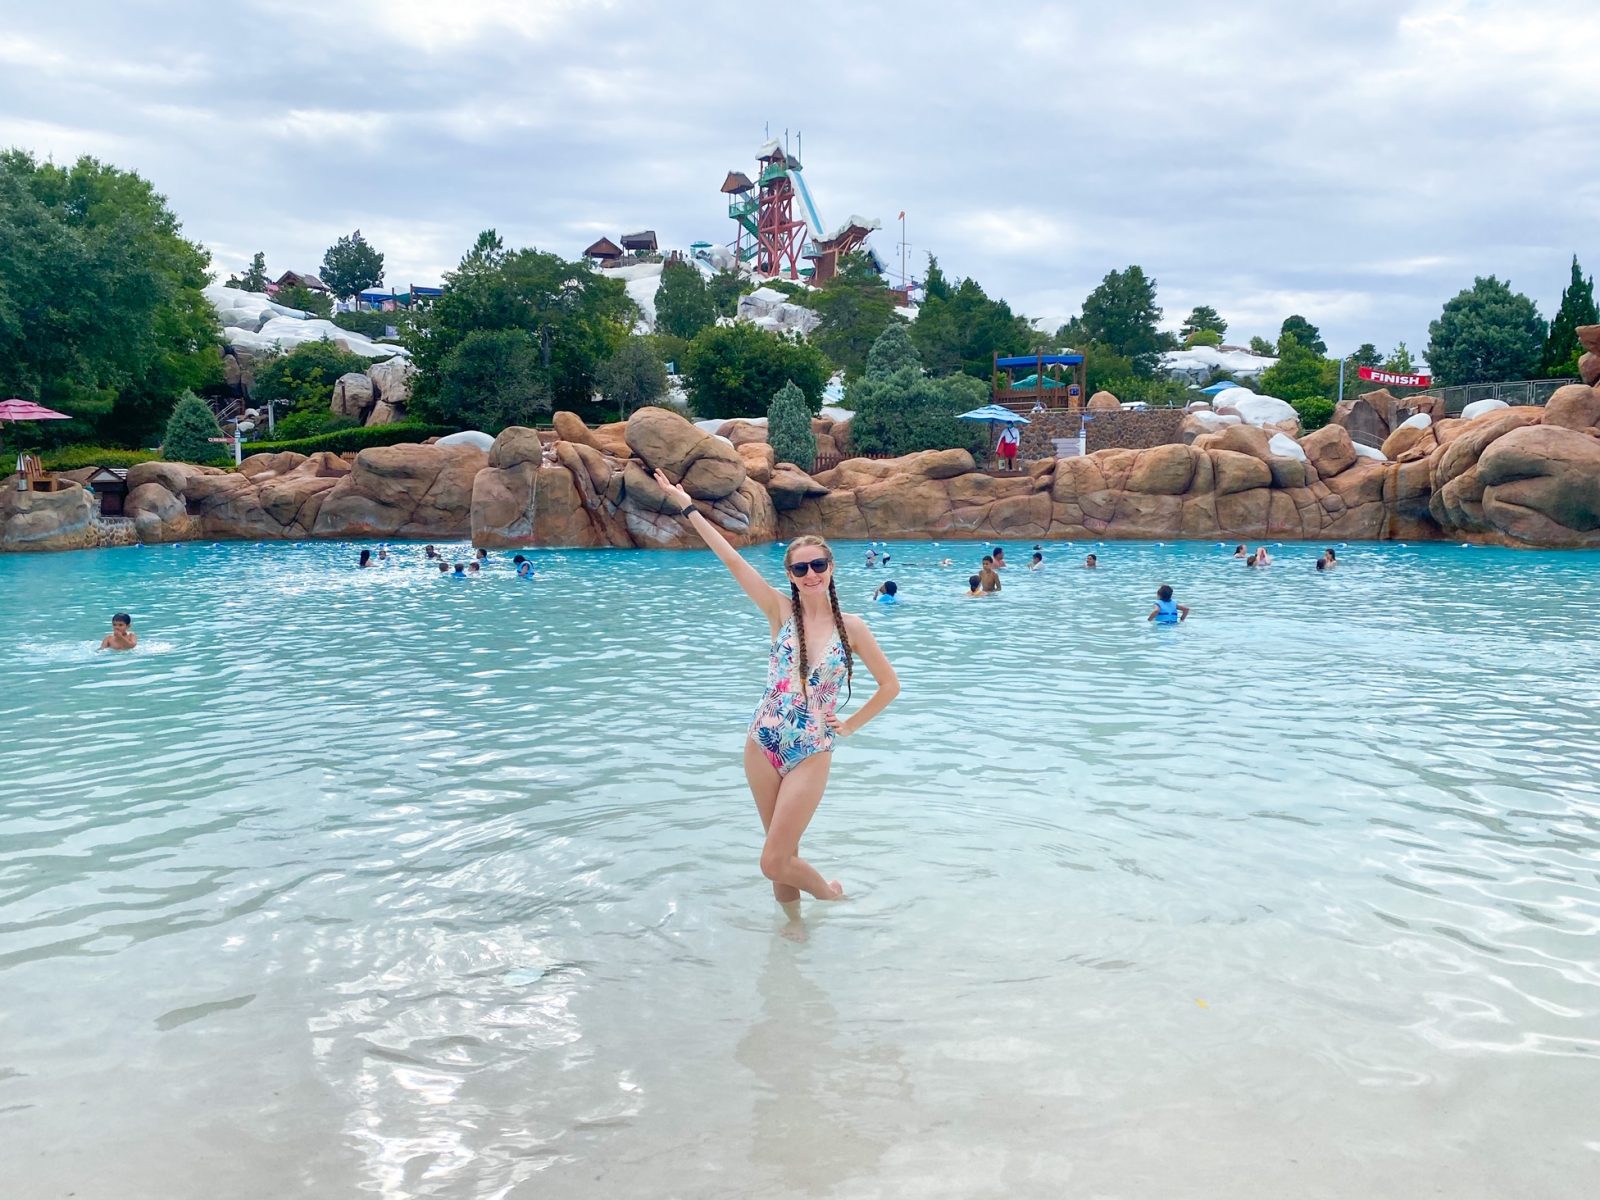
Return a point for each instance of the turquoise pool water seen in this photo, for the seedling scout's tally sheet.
(371, 883)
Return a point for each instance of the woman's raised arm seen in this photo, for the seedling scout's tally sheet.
(766, 597)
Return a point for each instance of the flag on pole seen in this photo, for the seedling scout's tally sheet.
(902, 216)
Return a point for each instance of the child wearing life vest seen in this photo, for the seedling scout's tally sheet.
(1167, 610)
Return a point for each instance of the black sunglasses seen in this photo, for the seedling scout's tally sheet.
(819, 565)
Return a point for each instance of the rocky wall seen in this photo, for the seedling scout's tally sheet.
(1523, 476)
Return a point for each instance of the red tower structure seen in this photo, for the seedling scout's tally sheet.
(779, 235)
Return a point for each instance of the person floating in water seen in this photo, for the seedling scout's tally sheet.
(1038, 562)
(122, 636)
(872, 556)
(523, 566)
(473, 569)
(460, 571)
(366, 559)
(887, 593)
(1091, 563)
(481, 555)
(999, 556)
(444, 567)
(1329, 557)
(383, 554)
(975, 586)
(1263, 559)
(1167, 610)
(429, 552)
(1239, 551)
(789, 750)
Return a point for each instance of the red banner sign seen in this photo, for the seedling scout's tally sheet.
(1394, 379)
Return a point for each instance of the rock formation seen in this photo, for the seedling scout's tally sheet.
(1516, 476)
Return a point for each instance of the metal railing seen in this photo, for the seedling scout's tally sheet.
(1522, 391)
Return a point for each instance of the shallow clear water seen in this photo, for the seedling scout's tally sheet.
(374, 883)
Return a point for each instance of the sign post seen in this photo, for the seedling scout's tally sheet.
(230, 441)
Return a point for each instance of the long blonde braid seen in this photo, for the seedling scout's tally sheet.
(799, 619)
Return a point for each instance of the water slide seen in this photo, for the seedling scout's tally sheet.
(818, 229)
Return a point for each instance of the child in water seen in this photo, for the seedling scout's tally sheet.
(886, 593)
(987, 575)
(1037, 563)
(975, 586)
(1090, 563)
(122, 636)
(1167, 610)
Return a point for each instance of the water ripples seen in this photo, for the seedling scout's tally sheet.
(411, 887)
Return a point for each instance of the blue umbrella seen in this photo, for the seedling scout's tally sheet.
(1216, 389)
(993, 412)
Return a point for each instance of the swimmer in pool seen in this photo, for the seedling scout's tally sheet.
(1330, 558)
(482, 555)
(460, 571)
(1239, 551)
(122, 636)
(887, 593)
(975, 586)
(444, 567)
(1091, 563)
(789, 750)
(1167, 610)
(524, 569)
(429, 552)
(366, 559)
(999, 556)
(1038, 562)
(473, 568)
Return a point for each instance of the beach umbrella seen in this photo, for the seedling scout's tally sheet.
(1216, 389)
(994, 414)
(26, 410)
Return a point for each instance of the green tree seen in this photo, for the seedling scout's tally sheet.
(255, 277)
(299, 296)
(189, 430)
(960, 328)
(1202, 337)
(684, 306)
(1260, 345)
(1300, 373)
(1203, 317)
(855, 306)
(789, 428)
(730, 368)
(1302, 331)
(302, 379)
(1486, 334)
(632, 377)
(1121, 314)
(491, 378)
(574, 317)
(1366, 355)
(1561, 349)
(351, 266)
(1314, 411)
(899, 409)
(1400, 361)
(102, 314)
(726, 287)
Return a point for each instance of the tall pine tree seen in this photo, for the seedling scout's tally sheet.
(1561, 348)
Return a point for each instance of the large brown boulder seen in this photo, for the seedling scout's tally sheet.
(707, 467)
(515, 445)
(280, 463)
(1541, 485)
(1464, 449)
(174, 476)
(1330, 450)
(1575, 406)
(1589, 338)
(1163, 471)
(353, 396)
(405, 490)
(1240, 439)
(502, 511)
(1589, 368)
(1407, 438)
(569, 427)
(742, 433)
(1104, 402)
(758, 459)
(790, 487)
(59, 520)
(391, 381)
(293, 500)
(1235, 472)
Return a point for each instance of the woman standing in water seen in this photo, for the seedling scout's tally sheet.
(790, 745)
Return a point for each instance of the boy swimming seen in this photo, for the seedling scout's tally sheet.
(1167, 610)
(122, 636)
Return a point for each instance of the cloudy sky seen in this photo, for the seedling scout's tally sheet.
(1357, 161)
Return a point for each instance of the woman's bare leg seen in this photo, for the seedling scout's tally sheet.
(798, 796)
(763, 779)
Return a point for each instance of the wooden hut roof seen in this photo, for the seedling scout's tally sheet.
(109, 475)
(737, 181)
(643, 240)
(604, 248)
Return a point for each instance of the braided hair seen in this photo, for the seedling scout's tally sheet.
(800, 619)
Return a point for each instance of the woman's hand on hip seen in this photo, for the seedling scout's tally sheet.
(839, 728)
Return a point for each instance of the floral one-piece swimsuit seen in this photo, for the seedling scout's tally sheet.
(786, 727)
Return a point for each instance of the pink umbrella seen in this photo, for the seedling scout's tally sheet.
(26, 410)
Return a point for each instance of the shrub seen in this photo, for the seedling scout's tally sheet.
(735, 369)
(632, 377)
(368, 324)
(1315, 412)
(789, 428)
(311, 423)
(346, 440)
(490, 380)
(73, 458)
(189, 432)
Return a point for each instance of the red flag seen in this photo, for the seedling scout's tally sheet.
(902, 215)
(1394, 378)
